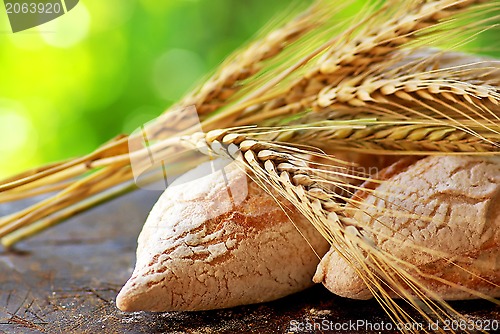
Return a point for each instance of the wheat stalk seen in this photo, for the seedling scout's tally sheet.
(426, 83)
(226, 82)
(374, 88)
(113, 158)
(244, 64)
(369, 43)
(427, 15)
(396, 137)
(445, 94)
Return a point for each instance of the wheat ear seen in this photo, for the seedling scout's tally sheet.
(281, 168)
(226, 82)
(293, 90)
(415, 137)
(112, 159)
(368, 43)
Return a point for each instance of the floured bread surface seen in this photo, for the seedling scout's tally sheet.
(204, 247)
(461, 198)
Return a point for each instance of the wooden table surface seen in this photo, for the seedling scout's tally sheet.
(66, 279)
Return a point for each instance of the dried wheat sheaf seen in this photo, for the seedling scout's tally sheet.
(392, 80)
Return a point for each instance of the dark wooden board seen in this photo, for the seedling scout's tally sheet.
(66, 279)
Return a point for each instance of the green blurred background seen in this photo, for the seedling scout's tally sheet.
(107, 67)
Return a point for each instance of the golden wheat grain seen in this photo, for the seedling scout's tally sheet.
(163, 128)
(376, 69)
(369, 43)
(396, 137)
(216, 91)
(282, 169)
(420, 83)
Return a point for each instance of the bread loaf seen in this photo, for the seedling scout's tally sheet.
(220, 241)
(461, 198)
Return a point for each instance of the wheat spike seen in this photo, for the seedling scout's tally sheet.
(285, 171)
(369, 43)
(218, 89)
(293, 100)
(421, 83)
(396, 137)
(375, 87)
(244, 64)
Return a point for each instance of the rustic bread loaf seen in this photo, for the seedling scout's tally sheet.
(220, 241)
(461, 197)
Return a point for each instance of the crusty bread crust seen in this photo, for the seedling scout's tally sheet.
(461, 198)
(201, 249)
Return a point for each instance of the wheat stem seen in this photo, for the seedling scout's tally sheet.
(38, 226)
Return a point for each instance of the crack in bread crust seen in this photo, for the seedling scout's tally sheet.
(187, 260)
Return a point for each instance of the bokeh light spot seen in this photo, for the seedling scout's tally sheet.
(68, 29)
(110, 14)
(17, 137)
(175, 71)
(14, 130)
(139, 117)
